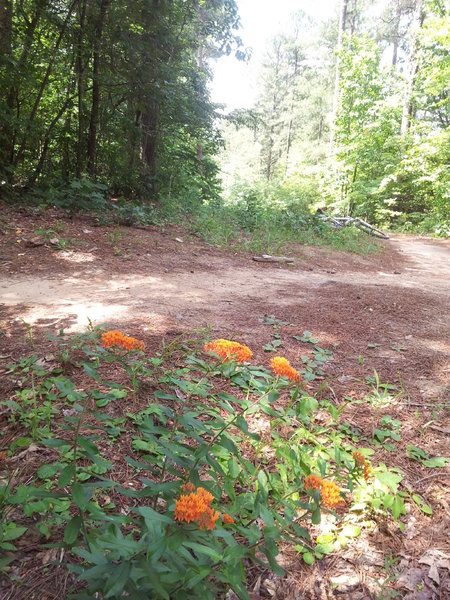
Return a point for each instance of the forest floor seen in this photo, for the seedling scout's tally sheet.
(386, 311)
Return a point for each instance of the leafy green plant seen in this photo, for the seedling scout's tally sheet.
(9, 530)
(306, 338)
(80, 195)
(431, 462)
(382, 492)
(389, 430)
(192, 434)
(274, 344)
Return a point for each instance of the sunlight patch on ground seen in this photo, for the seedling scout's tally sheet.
(78, 314)
(75, 257)
(436, 345)
(327, 338)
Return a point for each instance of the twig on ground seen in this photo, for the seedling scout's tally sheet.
(431, 477)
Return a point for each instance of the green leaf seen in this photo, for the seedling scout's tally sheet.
(64, 385)
(233, 468)
(315, 517)
(426, 509)
(436, 462)
(266, 516)
(398, 507)
(306, 405)
(416, 453)
(272, 346)
(325, 538)
(350, 531)
(48, 471)
(242, 424)
(324, 548)
(308, 557)
(117, 580)
(4, 562)
(67, 474)
(306, 338)
(88, 446)
(152, 516)
(203, 549)
(91, 371)
(80, 495)
(13, 532)
(390, 479)
(54, 443)
(262, 481)
(72, 530)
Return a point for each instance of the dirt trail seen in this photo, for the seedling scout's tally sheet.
(398, 300)
(197, 297)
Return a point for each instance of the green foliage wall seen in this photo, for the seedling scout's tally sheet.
(111, 90)
(387, 157)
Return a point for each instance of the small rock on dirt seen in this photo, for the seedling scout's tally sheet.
(34, 241)
(344, 583)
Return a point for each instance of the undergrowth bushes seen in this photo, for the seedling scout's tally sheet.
(266, 218)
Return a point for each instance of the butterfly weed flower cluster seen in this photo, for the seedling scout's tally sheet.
(329, 492)
(228, 350)
(196, 507)
(362, 465)
(282, 367)
(116, 339)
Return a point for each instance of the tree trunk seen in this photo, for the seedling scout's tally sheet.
(80, 86)
(150, 115)
(149, 126)
(396, 34)
(291, 111)
(413, 63)
(93, 124)
(199, 143)
(337, 75)
(43, 155)
(6, 14)
(6, 99)
(200, 68)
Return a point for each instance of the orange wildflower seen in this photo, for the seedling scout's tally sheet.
(188, 487)
(205, 496)
(228, 350)
(367, 471)
(196, 507)
(360, 461)
(228, 519)
(117, 338)
(330, 493)
(208, 519)
(282, 367)
(313, 482)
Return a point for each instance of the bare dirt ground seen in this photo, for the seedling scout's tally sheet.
(387, 311)
(398, 299)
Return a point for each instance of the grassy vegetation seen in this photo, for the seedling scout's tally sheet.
(273, 229)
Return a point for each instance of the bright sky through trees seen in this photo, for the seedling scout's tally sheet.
(235, 82)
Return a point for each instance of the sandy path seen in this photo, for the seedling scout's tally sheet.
(214, 295)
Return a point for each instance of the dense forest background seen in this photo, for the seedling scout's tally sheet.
(103, 98)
